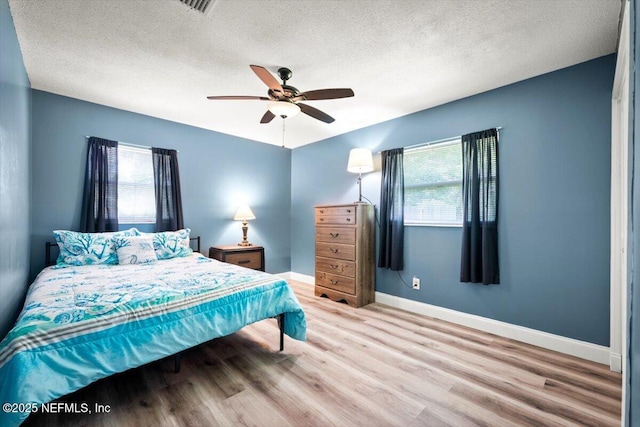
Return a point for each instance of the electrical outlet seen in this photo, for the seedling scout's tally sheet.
(416, 282)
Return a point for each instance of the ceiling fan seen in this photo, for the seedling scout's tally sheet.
(285, 99)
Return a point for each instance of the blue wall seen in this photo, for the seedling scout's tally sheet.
(15, 141)
(554, 202)
(216, 172)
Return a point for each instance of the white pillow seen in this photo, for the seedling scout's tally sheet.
(135, 249)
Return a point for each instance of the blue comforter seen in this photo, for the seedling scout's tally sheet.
(80, 324)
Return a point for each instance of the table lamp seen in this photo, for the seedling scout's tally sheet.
(244, 214)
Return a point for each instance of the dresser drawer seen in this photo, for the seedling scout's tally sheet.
(336, 235)
(336, 266)
(336, 219)
(336, 250)
(246, 259)
(343, 215)
(338, 283)
(336, 210)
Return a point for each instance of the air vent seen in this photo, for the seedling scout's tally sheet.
(199, 5)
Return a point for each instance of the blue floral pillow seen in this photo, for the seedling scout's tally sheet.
(172, 244)
(135, 249)
(88, 248)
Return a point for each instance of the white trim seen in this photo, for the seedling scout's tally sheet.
(431, 224)
(433, 144)
(573, 347)
(622, 60)
(620, 100)
(619, 196)
(290, 275)
(616, 240)
(134, 148)
(615, 362)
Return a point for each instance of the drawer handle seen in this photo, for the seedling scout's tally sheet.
(335, 251)
(321, 211)
(348, 210)
(334, 235)
(321, 219)
(334, 266)
(348, 219)
(244, 261)
(334, 282)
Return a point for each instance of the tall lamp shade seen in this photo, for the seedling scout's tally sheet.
(360, 161)
(244, 214)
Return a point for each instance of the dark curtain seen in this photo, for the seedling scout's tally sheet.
(392, 211)
(480, 208)
(169, 215)
(100, 197)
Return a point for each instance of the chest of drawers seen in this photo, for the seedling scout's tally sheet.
(345, 253)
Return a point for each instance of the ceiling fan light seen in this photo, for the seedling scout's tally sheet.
(284, 108)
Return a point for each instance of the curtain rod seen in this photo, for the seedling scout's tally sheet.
(426, 144)
(126, 143)
(453, 138)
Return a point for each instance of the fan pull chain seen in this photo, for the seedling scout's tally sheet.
(283, 117)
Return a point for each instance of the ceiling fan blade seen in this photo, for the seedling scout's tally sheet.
(268, 116)
(315, 113)
(260, 98)
(267, 78)
(314, 95)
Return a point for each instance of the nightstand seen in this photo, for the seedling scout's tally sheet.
(244, 256)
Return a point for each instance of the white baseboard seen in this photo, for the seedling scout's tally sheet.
(309, 280)
(573, 347)
(615, 362)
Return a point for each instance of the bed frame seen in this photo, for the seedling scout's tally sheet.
(50, 260)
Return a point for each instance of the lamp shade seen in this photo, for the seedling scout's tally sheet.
(360, 160)
(244, 214)
(283, 108)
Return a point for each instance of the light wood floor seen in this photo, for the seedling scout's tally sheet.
(372, 366)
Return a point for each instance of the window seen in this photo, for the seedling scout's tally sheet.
(433, 184)
(136, 191)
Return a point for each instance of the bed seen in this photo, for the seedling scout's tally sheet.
(81, 323)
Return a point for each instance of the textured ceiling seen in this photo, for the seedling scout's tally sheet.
(160, 58)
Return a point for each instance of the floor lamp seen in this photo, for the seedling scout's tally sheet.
(360, 161)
